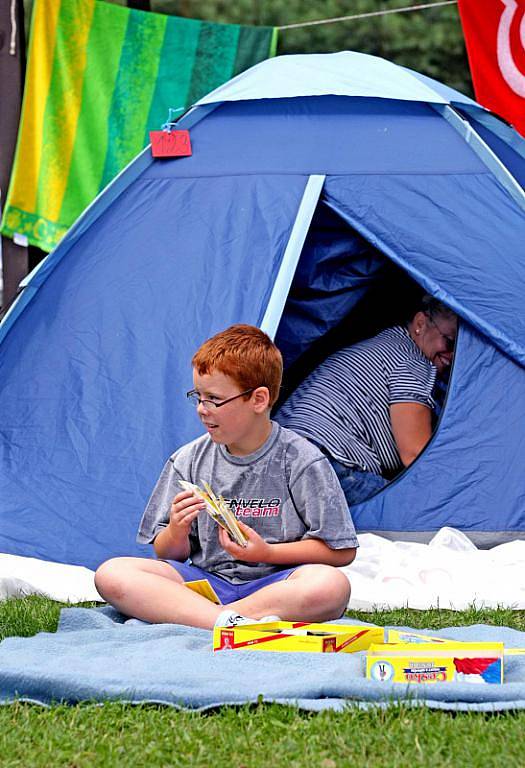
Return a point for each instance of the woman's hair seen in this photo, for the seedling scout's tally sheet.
(246, 354)
(432, 307)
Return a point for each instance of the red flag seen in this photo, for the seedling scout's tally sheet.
(495, 36)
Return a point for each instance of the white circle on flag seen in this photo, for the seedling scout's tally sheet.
(512, 75)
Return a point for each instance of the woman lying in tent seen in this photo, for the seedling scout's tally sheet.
(370, 407)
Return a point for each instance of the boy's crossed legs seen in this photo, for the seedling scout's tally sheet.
(153, 590)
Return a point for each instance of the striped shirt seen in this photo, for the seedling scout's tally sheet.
(344, 404)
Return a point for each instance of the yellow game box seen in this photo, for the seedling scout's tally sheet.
(435, 662)
(403, 636)
(297, 636)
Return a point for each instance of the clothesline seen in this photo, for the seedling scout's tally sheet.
(406, 9)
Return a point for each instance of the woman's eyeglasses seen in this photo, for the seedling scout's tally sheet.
(449, 340)
(196, 400)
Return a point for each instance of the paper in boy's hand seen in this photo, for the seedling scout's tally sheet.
(218, 510)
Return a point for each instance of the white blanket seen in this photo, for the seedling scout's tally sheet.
(21, 576)
(447, 573)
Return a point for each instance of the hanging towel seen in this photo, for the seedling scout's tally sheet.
(99, 78)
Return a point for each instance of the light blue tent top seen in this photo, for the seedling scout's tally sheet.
(95, 354)
(346, 73)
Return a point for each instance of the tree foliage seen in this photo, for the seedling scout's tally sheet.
(429, 41)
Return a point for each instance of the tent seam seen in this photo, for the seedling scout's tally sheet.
(316, 173)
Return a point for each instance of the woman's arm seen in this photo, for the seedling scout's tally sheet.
(412, 429)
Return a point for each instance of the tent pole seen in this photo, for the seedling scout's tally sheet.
(281, 288)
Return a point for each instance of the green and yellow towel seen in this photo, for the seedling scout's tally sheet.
(99, 78)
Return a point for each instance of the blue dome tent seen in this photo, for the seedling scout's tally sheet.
(316, 184)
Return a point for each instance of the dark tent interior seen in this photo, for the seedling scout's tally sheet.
(344, 290)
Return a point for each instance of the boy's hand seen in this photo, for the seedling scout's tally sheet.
(184, 509)
(256, 551)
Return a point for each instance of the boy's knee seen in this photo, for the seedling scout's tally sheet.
(344, 591)
(109, 578)
(329, 588)
(338, 588)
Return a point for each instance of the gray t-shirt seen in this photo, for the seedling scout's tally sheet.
(286, 491)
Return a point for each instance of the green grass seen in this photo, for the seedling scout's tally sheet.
(258, 736)
(114, 734)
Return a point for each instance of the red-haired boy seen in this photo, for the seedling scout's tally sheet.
(285, 495)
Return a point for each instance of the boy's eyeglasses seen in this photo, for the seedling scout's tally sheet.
(196, 400)
(449, 341)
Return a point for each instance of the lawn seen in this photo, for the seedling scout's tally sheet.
(261, 735)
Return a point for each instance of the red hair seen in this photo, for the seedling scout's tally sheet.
(246, 354)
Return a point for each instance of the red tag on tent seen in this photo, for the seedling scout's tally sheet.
(170, 143)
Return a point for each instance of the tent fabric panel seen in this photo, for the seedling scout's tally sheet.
(457, 236)
(42, 270)
(325, 135)
(470, 476)
(93, 377)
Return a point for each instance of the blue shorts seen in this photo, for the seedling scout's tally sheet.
(226, 591)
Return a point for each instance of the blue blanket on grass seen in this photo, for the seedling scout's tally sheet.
(96, 655)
